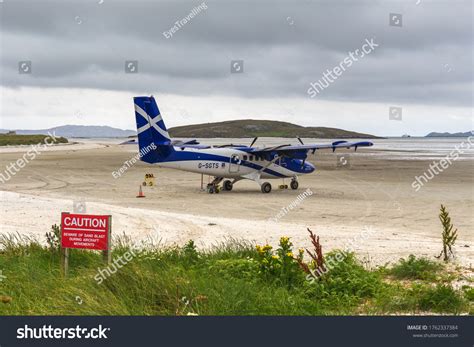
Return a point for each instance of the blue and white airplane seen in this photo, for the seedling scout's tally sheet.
(230, 162)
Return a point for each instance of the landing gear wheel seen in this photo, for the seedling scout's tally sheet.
(294, 184)
(228, 185)
(211, 189)
(266, 187)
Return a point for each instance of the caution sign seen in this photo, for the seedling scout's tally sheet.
(85, 231)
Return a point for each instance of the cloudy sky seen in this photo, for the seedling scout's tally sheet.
(423, 62)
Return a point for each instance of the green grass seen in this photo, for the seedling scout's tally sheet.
(416, 268)
(442, 298)
(228, 279)
(15, 140)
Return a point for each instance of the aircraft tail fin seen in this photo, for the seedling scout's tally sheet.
(154, 141)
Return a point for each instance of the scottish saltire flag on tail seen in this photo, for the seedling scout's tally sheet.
(151, 130)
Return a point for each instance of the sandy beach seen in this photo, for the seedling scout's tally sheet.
(371, 192)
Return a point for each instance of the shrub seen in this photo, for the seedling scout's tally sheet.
(442, 298)
(317, 258)
(350, 277)
(345, 285)
(449, 235)
(53, 238)
(190, 253)
(415, 268)
(280, 265)
(468, 293)
(236, 268)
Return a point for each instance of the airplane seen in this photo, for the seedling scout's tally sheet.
(231, 163)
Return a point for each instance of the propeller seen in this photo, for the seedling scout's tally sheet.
(253, 142)
(301, 141)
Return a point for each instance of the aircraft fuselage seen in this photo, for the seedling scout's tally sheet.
(233, 163)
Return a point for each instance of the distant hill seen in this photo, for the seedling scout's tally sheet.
(466, 134)
(227, 129)
(260, 128)
(78, 131)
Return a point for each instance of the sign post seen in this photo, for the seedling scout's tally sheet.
(65, 260)
(85, 231)
(106, 254)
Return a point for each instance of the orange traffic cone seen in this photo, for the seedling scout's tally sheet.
(140, 193)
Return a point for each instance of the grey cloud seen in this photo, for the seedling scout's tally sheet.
(428, 60)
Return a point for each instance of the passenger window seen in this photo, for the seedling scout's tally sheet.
(245, 157)
(251, 158)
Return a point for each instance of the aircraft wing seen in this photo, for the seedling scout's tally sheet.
(289, 149)
(188, 144)
(193, 146)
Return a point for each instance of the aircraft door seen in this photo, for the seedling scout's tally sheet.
(234, 163)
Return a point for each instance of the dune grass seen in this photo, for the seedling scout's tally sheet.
(230, 279)
(416, 268)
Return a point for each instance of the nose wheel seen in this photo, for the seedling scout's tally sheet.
(213, 187)
(294, 184)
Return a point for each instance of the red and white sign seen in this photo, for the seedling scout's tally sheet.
(85, 231)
